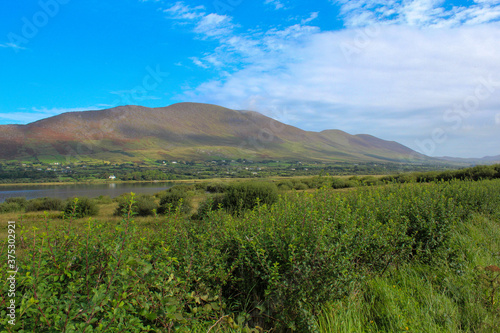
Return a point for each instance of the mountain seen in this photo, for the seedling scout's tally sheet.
(472, 161)
(185, 131)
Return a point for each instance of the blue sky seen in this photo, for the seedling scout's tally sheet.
(425, 73)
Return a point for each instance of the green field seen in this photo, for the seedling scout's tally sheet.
(384, 256)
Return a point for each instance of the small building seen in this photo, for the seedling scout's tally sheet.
(112, 177)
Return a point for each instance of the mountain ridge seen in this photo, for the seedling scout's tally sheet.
(192, 131)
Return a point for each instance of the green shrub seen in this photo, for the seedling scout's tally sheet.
(284, 185)
(180, 188)
(316, 182)
(10, 207)
(370, 181)
(21, 201)
(480, 172)
(201, 186)
(81, 207)
(216, 187)
(275, 267)
(103, 199)
(173, 199)
(299, 186)
(247, 195)
(42, 204)
(338, 183)
(144, 205)
(212, 203)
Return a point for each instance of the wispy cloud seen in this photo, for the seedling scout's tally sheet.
(236, 48)
(205, 24)
(415, 64)
(197, 62)
(181, 11)
(311, 17)
(212, 25)
(278, 4)
(421, 13)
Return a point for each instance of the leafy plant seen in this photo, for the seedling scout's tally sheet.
(174, 199)
(81, 207)
(144, 205)
(242, 196)
(42, 204)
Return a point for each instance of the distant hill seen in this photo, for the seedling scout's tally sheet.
(187, 131)
(472, 161)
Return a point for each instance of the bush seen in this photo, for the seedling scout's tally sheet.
(276, 267)
(370, 181)
(299, 186)
(103, 199)
(216, 187)
(341, 183)
(316, 182)
(181, 188)
(144, 205)
(21, 201)
(212, 203)
(247, 195)
(284, 185)
(84, 207)
(41, 204)
(10, 207)
(173, 199)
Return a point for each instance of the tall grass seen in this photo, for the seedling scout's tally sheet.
(449, 297)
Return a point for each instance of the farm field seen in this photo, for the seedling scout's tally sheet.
(330, 255)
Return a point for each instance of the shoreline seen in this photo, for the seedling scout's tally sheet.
(174, 181)
(103, 182)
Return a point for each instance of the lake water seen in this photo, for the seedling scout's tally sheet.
(80, 190)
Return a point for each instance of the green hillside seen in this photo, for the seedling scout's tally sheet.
(189, 131)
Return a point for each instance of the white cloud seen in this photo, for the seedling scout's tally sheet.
(212, 25)
(312, 17)
(181, 11)
(396, 72)
(197, 62)
(420, 13)
(278, 4)
(398, 86)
